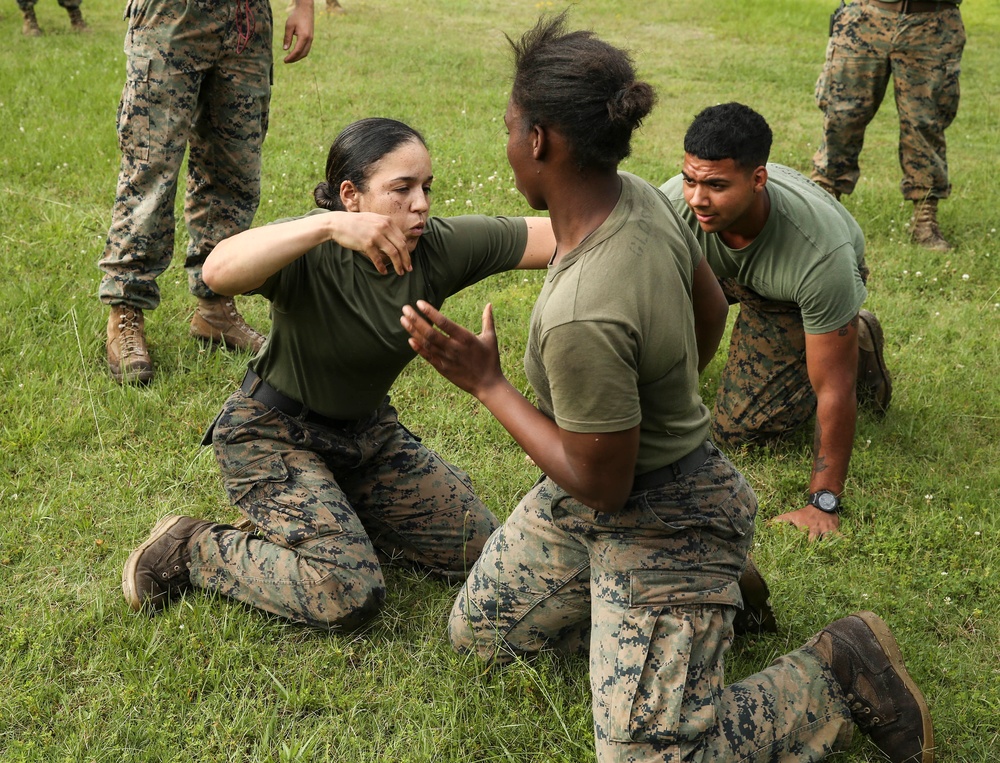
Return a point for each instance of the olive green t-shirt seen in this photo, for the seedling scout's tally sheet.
(612, 341)
(336, 343)
(809, 253)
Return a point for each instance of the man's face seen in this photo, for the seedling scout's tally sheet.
(720, 193)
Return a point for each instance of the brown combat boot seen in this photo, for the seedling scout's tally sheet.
(884, 701)
(158, 569)
(217, 321)
(76, 21)
(128, 356)
(874, 385)
(31, 28)
(756, 617)
(924, 229)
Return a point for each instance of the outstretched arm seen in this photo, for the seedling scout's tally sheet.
(241, 263)
(832, 363)
(595, 468)
(541, 244)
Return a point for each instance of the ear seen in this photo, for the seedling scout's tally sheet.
(350, 196)
(759, 179)
(539, 142)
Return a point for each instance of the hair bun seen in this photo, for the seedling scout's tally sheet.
(324, 199)
(631, 103)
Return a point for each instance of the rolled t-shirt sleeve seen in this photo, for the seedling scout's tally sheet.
(592, 378)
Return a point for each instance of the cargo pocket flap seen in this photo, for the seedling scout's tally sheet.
(268, 468)
(673, 587)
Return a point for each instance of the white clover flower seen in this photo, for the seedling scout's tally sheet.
(965, 276)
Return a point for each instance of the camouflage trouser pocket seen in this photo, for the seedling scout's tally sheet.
(267, 468)
(822, 91)
(669, 661)
(133, 109)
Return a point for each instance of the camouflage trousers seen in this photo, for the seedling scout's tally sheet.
(193, 81)
(325, 503)
(764, 392)
(650, 592)
(922, 52)
(27, 5)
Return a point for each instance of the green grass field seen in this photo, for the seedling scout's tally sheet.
(87, 467)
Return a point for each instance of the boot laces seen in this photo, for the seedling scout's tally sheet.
(860, 707)
(238, 320)
(129, 333)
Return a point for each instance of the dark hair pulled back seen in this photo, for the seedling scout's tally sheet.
(356, 151)
(581, 86)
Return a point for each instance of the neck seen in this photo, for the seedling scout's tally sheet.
(581, 205)
(743, 232)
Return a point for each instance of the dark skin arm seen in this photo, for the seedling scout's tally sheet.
(832, 364)
(595, 468)
(710, 312)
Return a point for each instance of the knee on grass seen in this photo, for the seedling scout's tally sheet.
(344, 610)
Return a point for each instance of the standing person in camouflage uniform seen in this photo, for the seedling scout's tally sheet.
(311, 452)
(919, 44)
(199, 76)
(793, 258)
(631, 544)
(31, 28)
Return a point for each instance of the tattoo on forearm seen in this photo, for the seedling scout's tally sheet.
(819, 462)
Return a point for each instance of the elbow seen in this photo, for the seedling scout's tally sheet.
(608, 499)
(213, 274)
(611, 506)
(210, 275)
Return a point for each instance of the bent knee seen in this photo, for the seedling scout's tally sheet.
(344, 607)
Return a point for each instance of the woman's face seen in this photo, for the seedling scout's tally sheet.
(520, 155)
(399, 187)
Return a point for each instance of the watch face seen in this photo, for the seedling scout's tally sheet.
(826, 501)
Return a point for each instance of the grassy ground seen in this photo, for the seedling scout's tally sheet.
(86, 467)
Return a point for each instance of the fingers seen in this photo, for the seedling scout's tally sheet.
(302, 33)
(432, 314)
(397, 254)
(420, 330)
(488, 319)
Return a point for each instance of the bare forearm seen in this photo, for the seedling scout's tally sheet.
(593, 484)
(833, 442)
(243, 262)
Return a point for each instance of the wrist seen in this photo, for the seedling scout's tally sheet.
(826, 501)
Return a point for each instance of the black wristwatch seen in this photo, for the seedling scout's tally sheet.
(825, 500)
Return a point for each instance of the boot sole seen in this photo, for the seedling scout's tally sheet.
(142, 378)
(217, 341)
(891, 650)
(129, 587)
(878, 340)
